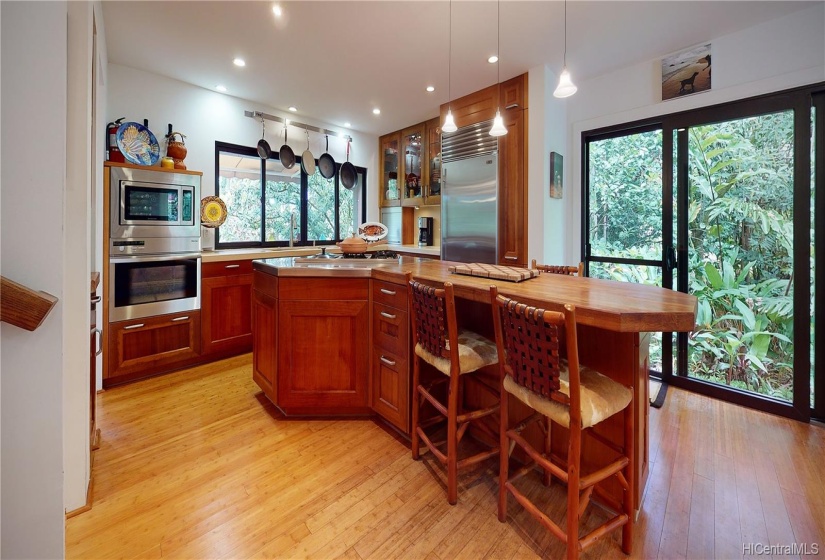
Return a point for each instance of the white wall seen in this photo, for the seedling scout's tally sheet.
(34, 38)
(76, 255)
(98, 158)
(207, 116)
(776, 55)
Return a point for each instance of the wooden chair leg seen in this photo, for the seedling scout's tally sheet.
(504, 457)
(573, 471)
(630, 494)
(416, 402)
(547, 478)
(452, 441)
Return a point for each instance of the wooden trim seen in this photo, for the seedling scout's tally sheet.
(157, 168)
(23, 307)
(94, 282)
(89, 499)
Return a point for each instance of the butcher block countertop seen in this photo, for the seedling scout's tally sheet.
(608, 304)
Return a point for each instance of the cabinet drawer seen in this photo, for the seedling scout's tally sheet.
(387, 293)
(390, 328)
(391, 388)
(225, 268)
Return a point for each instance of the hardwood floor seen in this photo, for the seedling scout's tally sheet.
(198, 464)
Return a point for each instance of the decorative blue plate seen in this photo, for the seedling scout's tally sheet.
(137, 144)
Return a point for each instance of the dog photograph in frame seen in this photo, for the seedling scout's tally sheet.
(686, 72)
(556, 174)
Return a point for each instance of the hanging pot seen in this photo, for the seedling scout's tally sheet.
(326, 164)
(349, 176)
(307, 159)
(285, 154)
(264, 151)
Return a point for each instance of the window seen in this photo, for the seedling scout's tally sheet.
(264, 201)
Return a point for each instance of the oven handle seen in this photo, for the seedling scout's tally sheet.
(146, 258)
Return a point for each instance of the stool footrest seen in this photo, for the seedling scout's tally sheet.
(591, 537)
(431, 446)
(603, 473)
(537, 513)
(543, 462)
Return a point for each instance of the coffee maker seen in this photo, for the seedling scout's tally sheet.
(425, 232)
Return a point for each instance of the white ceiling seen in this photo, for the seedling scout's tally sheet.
(337, 60)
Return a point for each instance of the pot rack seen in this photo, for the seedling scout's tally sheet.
(289, 122)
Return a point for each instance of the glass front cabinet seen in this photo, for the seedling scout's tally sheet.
(411, 166)
(389, 172)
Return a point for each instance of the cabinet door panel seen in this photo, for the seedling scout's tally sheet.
(513, 199)
(265, 343)
(227, 314)
(391, 388)
(322, 354)
(390, 328)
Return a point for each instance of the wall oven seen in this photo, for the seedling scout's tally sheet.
(147, 285)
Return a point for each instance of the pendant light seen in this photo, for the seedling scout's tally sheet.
(566, 88)
(449, 122)
(498, 128)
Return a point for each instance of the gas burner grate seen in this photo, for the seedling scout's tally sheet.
(356, 256)
(385, 254)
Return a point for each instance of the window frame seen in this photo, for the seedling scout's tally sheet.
(249, 151)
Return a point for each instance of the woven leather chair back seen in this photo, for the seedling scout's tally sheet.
(531, 345)
(559, 269)
(430, 314)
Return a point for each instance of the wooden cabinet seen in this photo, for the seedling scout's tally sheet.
(512, 200)
(265, 329)
(391, 353)
(142, 347)
(323, 345)
(226, 307)
(432, 172)
(391, 182)
(412, 165)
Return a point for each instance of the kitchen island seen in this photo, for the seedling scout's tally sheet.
(332, 338)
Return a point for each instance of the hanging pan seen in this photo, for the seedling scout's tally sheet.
(307, 159)
(349, 176)
(326, 164)
(285, 154)
(264, 151)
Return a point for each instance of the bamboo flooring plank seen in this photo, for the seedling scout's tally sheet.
(727, 534)
(701, 534)
(197, 464)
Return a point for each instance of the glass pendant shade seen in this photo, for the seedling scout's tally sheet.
(449, 123)
(566, 88)
(498, 128)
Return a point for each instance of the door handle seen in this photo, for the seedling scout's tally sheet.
(96, 299)
(98, 340)
(670, 258)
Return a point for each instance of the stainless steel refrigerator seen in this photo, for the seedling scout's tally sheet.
(469, 196)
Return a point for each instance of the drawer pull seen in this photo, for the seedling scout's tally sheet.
(388, 292)
(133, 327)
(511, 106)
(233, 266)
(96, 299)
(388, 362)
(98, 342)
(511, 258)
(184, 318)
(387, 315)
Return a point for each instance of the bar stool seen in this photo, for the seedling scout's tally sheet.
(561, 392)
(456, 353)
(559, 269)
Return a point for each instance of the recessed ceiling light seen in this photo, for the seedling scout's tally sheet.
(239, 62)
(348, 125)
(293, 109)
(220, 88)
(430, 88)
(276, 9)
(376, 111)
(493, 59)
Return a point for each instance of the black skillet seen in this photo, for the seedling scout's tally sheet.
(349, 176)
(285, 154)
(326, 164)
(264, 151)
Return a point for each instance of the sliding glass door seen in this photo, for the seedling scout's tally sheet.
(732, 188)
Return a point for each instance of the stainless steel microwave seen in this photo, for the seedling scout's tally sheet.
(153, 204)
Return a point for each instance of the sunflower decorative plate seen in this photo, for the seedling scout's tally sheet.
(213, 212)
(137, 144)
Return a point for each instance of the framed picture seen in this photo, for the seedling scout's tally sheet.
(556, 174)
(686, 72)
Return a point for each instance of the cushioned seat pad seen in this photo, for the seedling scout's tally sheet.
(601, 397)
(474, 352)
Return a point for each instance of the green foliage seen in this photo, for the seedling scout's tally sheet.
(740, 237)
